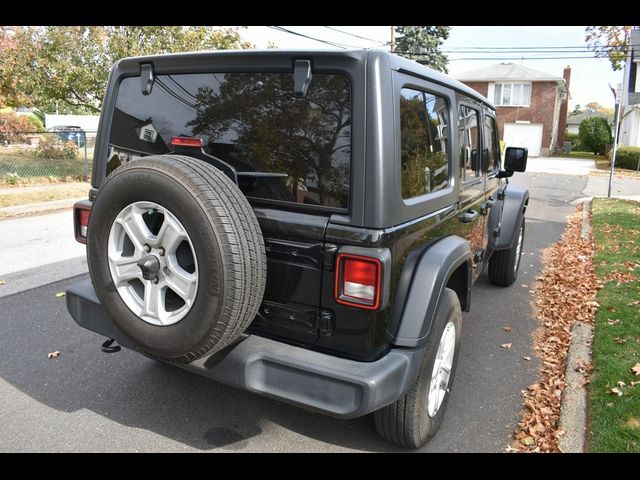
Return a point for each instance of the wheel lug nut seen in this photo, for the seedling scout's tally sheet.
(147, 248)
(161, 251)
(156, 279)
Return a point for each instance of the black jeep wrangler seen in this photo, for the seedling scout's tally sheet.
(303, 225)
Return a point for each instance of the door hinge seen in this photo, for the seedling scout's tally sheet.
(147, 78)
(328, 256)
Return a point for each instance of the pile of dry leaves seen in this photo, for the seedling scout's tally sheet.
(564, 293)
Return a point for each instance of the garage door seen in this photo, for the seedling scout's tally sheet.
(524, 135)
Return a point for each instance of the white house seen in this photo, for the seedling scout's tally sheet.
(630, 114)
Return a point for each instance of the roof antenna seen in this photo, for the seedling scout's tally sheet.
(301, 77)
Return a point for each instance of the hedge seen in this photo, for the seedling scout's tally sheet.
(628, 157)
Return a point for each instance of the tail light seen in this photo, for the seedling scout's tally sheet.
(358, 281)
(81, 212)
(186, 142)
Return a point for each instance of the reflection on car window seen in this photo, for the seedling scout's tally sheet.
(251, 121)
(468, 141)
(423, 143)
(490, 144)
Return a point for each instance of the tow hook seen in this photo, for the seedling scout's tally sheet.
(109, 347)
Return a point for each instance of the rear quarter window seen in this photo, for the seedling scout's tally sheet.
(252, 121)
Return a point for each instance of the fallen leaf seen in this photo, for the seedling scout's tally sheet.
(505, 345)
(632, 423)
(616, 391)
(53, 354)
(3, 282)
(621, 384)
(633, 384)
(613, 322)
(611, 309)
(510, 449)
(609, 404)
(636, 369)
(528, 359)
(620, 341)
(528, 441)
(506, 329)
(60, 294)
(524, 286)
(636, 302)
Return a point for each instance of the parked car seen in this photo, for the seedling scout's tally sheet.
(302, 225)
(68, 133)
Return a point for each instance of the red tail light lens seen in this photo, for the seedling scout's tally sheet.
(358, 281)
(81, 213)
(186, 142)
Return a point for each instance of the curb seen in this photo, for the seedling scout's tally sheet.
(7, 213)
(573, 410)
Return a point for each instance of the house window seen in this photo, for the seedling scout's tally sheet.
(512, 94)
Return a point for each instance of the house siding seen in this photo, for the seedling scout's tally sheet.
(543, 101)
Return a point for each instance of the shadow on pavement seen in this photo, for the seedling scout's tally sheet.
(135, 391)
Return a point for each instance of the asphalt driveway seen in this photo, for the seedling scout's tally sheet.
(86, 400)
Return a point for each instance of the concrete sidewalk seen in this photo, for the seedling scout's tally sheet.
(37, 208)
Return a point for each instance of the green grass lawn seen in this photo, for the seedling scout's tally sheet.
(615, 420)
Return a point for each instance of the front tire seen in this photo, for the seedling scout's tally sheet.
(416, 417)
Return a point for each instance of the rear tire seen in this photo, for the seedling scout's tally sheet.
(416, 417)
(504, 264)
(209, 263)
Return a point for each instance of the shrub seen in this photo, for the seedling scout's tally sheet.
(628, 157)
(12, 178)
(52, 147)
(594, 134)
(575, 141)
(12, 126)
(36, 123)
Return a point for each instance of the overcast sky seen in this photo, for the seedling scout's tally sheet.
(589, 76)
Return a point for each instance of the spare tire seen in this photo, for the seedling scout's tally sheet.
(176, 256)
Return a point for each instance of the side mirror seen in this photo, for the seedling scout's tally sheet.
(515, 159)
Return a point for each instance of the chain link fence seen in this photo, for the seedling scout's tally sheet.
(64, 154)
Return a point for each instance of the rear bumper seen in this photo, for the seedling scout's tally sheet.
(331, 385)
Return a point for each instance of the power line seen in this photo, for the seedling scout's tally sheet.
(357, 36)
(339, 45)
(518, 51)
(528, 58)
(535, 48)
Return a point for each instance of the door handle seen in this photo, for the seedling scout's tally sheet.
(468, 216)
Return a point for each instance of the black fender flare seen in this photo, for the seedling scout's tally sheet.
(505, 220)
(424, 276)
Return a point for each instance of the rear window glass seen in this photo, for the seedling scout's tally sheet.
(251, 121)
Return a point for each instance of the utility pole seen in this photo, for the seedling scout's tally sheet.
(393, 38)
(617, 98)
(620, 99)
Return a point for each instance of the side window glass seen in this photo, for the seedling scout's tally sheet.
(423, 142)
(490, 144)
(469, 140)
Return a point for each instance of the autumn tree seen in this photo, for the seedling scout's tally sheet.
(422, 44)
(40, 66)
(609, 42)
